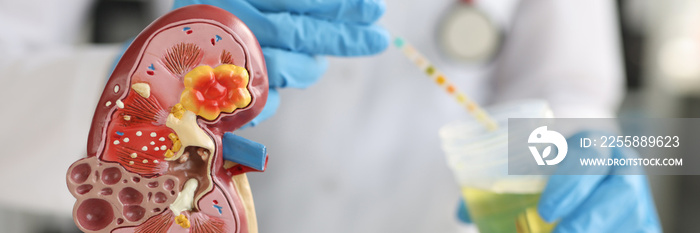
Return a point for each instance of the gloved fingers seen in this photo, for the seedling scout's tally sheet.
(304, 33)
(290, 69)
(181, 3)
(462, 212)
(300, 33)
(355, 11)
(273, 102)
(565, 193)
(620, 204)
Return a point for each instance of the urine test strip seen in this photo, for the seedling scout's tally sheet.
(441, 80)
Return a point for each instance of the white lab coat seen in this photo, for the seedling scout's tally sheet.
(358, 151)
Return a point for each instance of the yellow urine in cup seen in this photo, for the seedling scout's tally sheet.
(505, 212)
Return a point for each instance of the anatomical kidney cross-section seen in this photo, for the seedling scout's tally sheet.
(156, 161)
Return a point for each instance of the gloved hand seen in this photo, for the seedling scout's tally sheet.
(293, 33)
(595, 203)
(463, 213)
(599, 203)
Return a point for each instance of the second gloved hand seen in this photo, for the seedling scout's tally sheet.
(295, 34)
(604, 201)
(607, 202)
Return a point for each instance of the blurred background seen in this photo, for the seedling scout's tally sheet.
(661, 41)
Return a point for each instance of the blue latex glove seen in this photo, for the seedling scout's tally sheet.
(599, 203)
(462, 213)
(292, 33)
(595, 203)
